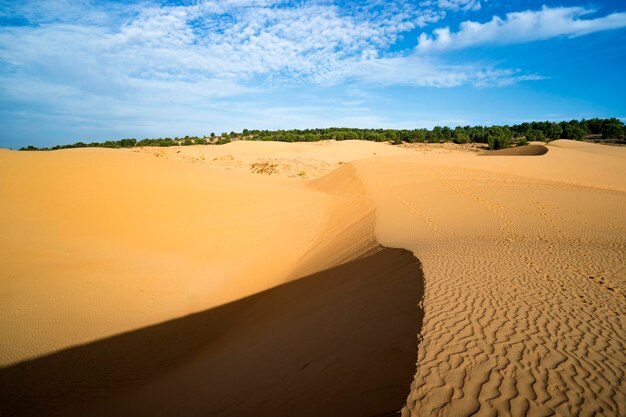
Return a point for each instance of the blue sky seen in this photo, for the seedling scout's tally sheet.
(90, 70)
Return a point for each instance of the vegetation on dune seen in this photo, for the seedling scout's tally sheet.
(496, 137)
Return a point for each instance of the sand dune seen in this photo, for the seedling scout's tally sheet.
(97, 242)
(294, 160)
(523, 259)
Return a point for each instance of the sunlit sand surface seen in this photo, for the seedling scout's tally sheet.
(171, 276)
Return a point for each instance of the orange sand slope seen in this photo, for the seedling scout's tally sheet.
(524, 257)
(96, 242)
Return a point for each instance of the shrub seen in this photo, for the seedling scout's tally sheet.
(498, 138)
(460, 138)
(612, 128)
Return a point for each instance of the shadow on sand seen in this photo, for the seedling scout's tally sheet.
(528, 150)
(342, 342)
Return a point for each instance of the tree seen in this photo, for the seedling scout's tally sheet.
(460, 136)
(431, 137)
(535, 135)
(498, 138)
(376, 136)
(612, 128)
(574, 131)
(350, 135)
(419, 135)
(391, 136)
(554, 131)
(436, 134)
(127, 143)
(594, 125)
(166, 142)
(446, 134)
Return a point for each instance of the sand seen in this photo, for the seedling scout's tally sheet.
(524, 277)
(97, 242)
(523, 260)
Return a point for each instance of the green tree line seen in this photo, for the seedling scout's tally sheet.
(496, 137)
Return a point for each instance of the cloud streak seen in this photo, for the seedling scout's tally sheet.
(521, 27)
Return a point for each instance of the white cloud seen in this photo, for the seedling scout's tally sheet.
(453, 5)
(456, 5)
(521, 27)
(84, 61)
(421, 71)
(221, 46)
